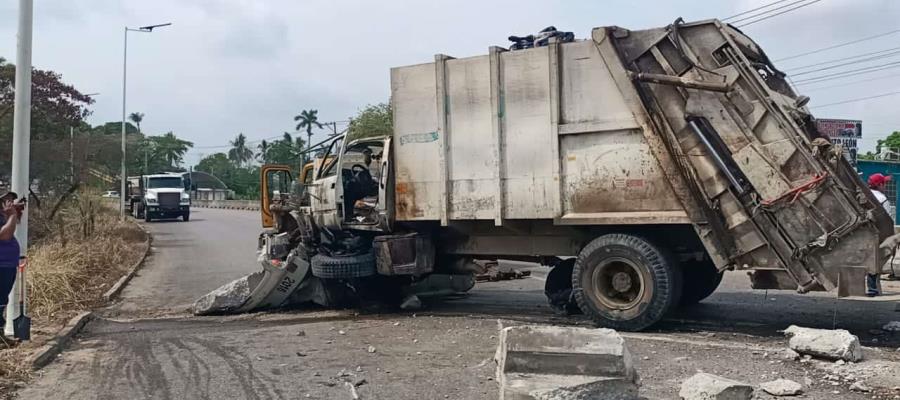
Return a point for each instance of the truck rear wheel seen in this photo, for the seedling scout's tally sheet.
(701, 278)
(625, 282)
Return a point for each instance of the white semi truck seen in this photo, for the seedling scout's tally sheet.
(639, 165)
(159, 196)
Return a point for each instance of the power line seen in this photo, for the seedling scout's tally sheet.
(755, 9)
(857, 99)
(862, 60)
(835, 46)
(834, 60)
(852, 72)
(815, 89)
(779, 13)
(766, 12)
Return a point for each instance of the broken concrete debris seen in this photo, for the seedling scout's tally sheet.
(703, 386)
(859, 386)
(411, 303)
(782, 387)
(893, 326)
(228, 298)
(564, 363)
(837, 344)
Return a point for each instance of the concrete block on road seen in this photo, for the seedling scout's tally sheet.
(227, 298)
(832, 344)
(782, 387)
(551, 362)
(705, 386)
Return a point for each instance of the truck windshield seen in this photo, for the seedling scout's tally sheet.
(157, 183)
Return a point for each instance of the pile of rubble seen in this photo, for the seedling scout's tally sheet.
(568, 363)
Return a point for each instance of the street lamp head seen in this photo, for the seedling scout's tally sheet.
(149, 28)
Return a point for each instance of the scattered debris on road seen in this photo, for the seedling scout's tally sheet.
(493, 272)
(553, 362)
(837, 344)
(860, 386)
(228, 298)
(703, 386)
(893, 326)
(782, 387)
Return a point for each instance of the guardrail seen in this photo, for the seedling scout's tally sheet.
(227, 204)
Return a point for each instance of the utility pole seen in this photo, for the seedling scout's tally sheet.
(21, 145)
(145, 29)
(71, 155)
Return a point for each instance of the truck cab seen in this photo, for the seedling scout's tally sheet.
(163, 196)
(347, 188)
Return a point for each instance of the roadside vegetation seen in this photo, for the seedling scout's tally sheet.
(79, 248)
(238, 167)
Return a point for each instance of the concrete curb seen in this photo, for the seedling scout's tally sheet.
(117, 288)
(46, 353)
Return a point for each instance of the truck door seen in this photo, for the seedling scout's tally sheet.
(386, 189)
(275, 183)
(326, 191)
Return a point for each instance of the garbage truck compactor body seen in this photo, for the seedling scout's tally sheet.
(639, 164)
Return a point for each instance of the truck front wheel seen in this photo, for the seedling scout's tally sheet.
(625, 282)
(186, 216)
(147, 215)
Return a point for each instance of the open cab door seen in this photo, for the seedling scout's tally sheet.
(367, 184)
(275, 185)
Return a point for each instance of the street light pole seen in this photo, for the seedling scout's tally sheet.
(21, 147)
(145, 29)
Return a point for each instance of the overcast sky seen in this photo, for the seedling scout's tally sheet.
(229, 66)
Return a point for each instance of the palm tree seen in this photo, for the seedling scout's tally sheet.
(239, 152)
(263, 155)
(170, 148)
(136, 117)
(306, 120)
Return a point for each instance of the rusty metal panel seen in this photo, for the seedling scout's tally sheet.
(531, 190)
(599, 179)
(416, 146)
(471, 147)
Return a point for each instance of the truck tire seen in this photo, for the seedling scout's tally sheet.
(147, 216)
(343, 267)
(624, 282)
(701, 278)
(186, 216)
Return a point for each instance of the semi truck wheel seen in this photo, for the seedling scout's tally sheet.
(343, 267)
(186, 216)
(147, 216)
(701, 278)
(625, 282)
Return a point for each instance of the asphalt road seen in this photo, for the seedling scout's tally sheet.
(147, 347)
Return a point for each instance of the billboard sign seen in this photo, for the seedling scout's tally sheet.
(846, 132)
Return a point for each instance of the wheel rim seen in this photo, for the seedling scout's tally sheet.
(618, 284)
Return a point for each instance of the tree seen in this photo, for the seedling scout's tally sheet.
(892, 143)
(239, 152)
(287, 150)
(136, 117)
(374, 120)
(307, 119)
(169, 149)
(263, 154)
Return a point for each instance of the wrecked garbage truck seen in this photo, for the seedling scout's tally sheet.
(638, 164)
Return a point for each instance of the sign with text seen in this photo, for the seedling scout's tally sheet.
(845, 132)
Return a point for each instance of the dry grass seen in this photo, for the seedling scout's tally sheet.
(64, 279)
(76, 257)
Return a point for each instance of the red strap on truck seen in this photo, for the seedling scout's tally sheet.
(797, 191)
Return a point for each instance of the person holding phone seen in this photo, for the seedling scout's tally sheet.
(10, 212)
